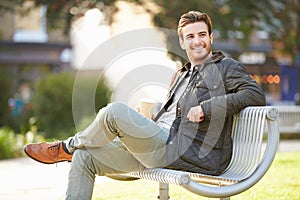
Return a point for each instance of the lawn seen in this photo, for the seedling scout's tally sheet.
(282, 181)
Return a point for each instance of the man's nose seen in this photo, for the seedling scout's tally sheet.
(197, 40)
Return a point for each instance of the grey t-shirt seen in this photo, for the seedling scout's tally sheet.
(167, 118)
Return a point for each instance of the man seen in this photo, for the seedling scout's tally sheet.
(191, 132)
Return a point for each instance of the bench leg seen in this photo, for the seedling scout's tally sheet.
(163, 191)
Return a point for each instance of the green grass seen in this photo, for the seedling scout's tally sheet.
(282, 181)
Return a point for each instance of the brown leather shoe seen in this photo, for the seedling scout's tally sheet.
(47, 152)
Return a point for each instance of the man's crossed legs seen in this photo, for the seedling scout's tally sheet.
(118, 140)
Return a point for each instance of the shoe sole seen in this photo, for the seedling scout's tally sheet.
(42, 161)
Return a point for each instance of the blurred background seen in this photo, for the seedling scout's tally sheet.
(45, 43)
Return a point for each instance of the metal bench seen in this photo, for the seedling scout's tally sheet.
(250, 161)
(289, 119)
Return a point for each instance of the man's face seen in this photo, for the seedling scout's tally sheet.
(197, 42)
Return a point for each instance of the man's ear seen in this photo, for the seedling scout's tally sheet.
(211, 38)
(181, 42)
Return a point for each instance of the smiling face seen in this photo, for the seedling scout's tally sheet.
(197, 42)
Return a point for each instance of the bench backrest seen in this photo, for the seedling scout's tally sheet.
(289, 119)
(247, 134)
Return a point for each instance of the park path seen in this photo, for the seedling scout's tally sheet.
(26, 179)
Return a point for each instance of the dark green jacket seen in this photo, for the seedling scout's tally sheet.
(223, 88)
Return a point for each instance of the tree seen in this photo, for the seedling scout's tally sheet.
(282, 21)
(9, 5)
(234, 19)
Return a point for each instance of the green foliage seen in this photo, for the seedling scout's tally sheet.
(280, 18)
(61, 12)
(53, 104)
(11, 143)
(9, 5)
(6, 93)
(7, 143)
(17, 120)
(282, 23)
(19, 123)
(231, 18)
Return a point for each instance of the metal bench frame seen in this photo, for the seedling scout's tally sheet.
(289, 119)
(250, 161)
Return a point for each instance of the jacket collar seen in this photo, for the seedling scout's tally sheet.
(216, 57)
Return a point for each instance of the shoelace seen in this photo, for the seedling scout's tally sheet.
(55, 147)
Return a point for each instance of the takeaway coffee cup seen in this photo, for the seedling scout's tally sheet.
(149, 107)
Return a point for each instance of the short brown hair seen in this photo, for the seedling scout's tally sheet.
(192, 17)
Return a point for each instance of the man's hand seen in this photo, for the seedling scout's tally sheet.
(138, 108)
(196, 114)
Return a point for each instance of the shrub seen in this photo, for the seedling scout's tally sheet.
(6, 89)
(11, 144)
(52, 104)
(7, 143)
(18, 121)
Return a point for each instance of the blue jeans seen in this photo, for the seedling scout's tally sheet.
(118, 140)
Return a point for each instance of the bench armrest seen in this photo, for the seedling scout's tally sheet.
(268, 157)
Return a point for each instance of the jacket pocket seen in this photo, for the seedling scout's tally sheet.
(209, 84)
